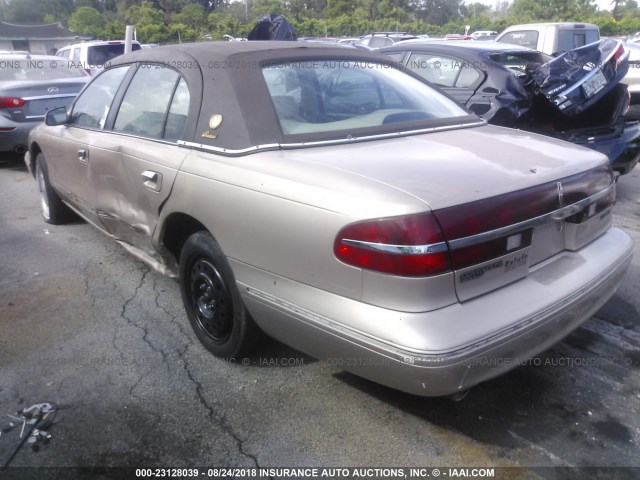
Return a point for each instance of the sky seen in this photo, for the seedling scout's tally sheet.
(602, 4)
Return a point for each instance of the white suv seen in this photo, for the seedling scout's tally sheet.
(93, 55)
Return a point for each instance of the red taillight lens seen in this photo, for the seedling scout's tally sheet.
(410, 245)
(11, 102)
(618, 56)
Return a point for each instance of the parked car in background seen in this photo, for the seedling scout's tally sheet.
(92, 56)
(517, 87)
(383, 39)
(30, 86)
(632, 78)
(457, 36)
(480, 34)
(550, 38)
(323, 195)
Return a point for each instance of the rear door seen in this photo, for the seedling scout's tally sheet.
(134, 175)
(458, 77)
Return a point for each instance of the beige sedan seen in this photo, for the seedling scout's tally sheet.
(338, 203)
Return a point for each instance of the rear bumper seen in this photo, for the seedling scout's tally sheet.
(17, 137)
(623, 149)
(451, 349)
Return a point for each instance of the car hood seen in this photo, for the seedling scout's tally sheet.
(579, 78)
(457, 166)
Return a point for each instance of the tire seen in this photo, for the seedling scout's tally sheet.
(211, 299)
(53, 210)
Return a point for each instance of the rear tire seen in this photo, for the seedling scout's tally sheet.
(211, 299)
(54, 211)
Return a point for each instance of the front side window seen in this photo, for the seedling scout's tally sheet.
(147, 106)
(92, 106)
(341, 95)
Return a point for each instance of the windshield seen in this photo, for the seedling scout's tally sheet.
(332, 96)
(98, 55)
(35, 69)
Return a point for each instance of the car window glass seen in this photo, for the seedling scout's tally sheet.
(437, 69)
(76, 55)
(468, 76)
(332, 96)
(526, 38)
(144, 107)
(93, 104)
(178, 112)
(378, 42)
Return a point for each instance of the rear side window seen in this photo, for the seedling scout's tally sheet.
(92, 106)
(525, 38)
(155, 105)
(444, 71)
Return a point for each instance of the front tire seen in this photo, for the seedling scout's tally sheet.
(211, 298)
(53, 210)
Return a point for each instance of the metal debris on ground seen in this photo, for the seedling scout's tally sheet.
(33, 422)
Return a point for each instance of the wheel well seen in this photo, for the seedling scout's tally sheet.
(177, 228)
(34, 150)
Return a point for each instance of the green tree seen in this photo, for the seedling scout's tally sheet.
(193, 16)
(86, 20)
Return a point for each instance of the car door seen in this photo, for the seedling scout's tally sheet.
(134, 176)
(69, 150)
(457, 77)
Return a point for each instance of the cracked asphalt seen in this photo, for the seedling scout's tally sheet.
(85, 325)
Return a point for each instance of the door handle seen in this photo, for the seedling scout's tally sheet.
(83, 155)
(152, 180)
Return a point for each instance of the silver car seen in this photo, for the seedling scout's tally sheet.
(30, 86)
(338, 203)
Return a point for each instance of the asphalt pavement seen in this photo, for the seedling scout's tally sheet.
(85, 325)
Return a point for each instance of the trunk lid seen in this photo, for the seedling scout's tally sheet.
(579, 78)
(40, 96)
(500, 215)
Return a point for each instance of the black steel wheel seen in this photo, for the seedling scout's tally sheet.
(211, 299)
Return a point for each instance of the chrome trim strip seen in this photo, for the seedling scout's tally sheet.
(398, 249)
(228, 151)
(341, 141)
(49, 97)
(556, 215)
(382, 136)
(441, 358)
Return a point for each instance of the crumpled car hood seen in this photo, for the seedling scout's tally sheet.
(575, 80)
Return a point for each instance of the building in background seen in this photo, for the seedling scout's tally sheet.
(37, 38)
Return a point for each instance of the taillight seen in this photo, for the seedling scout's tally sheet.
(11, 102)
(410, 245)
(619, 56)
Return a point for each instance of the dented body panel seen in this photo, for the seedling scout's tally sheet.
(276, 210)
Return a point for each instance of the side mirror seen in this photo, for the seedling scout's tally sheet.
(57, 116)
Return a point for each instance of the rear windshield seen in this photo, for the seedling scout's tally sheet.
(35, 69)
(570, 39)
(524, 38)
(342, 96)
(98, 55)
